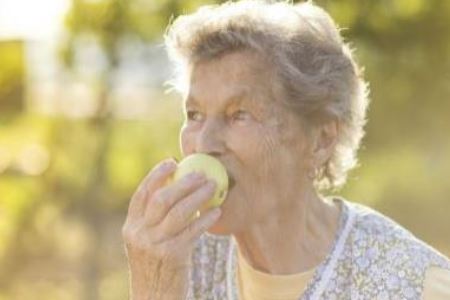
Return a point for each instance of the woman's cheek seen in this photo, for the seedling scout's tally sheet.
(253, 135)
(239, 137)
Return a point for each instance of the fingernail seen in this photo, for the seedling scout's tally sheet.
(211, 184)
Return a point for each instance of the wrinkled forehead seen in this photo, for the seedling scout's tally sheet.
(236, 76)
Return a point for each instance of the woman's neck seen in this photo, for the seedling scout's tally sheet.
(293, 239)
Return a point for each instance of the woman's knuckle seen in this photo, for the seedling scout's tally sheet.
(161, 208)
(132, 231)
(158, 196)
(177, 212)
(130, 240)
(127, 229)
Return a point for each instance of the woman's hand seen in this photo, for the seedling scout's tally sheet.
(159, 231)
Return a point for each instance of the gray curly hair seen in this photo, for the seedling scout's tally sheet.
(316, 71)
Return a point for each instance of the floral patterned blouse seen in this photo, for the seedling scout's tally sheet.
(372, 258)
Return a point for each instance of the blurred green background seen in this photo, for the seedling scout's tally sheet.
(83, 117)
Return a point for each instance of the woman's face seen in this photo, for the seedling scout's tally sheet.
(230, 113)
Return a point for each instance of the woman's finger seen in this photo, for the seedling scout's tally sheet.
(182, 213)
(164, 198)
(155, 178)
(195, 229)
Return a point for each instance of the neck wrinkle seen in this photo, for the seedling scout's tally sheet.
(309, 231)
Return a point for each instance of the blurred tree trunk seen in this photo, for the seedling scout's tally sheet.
(94, 194)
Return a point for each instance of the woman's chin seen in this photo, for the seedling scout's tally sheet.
(221, 227)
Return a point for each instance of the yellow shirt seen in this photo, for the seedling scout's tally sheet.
(257, 285)
(437, 284)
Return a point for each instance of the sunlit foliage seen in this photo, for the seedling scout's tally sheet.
(65, 182)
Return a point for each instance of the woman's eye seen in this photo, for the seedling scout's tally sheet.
(240, 115)
(194, 115)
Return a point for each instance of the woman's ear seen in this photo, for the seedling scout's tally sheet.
(324, 142)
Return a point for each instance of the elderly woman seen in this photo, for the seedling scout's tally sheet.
(273, 92)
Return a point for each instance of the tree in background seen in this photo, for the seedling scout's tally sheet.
(12, 76)
(66, 221)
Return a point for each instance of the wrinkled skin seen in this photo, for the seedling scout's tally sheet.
(279, 222)
(233, 114)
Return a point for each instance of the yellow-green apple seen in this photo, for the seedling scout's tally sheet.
(212, 168)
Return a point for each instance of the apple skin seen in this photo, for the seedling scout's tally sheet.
(212, 168)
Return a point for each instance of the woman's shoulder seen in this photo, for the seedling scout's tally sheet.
(376, 232)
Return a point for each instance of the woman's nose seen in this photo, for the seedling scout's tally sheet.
(211, 139)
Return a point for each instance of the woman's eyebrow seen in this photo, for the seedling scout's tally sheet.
(238, 98)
